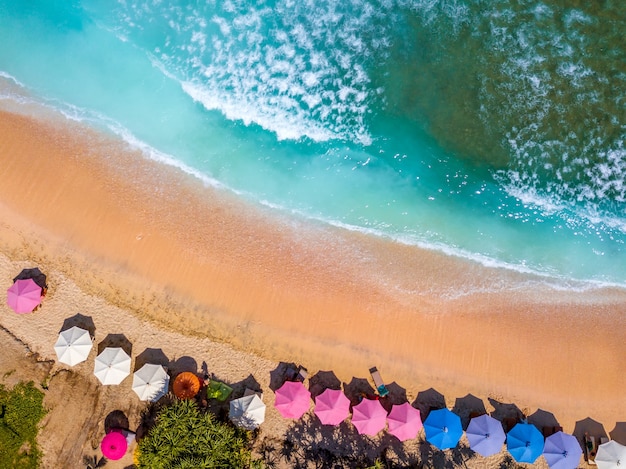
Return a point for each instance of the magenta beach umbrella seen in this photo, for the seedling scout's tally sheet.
(404, 421)
(292, 400)
(369, 417)
(24, 295)
(114, 446)
(332, 407)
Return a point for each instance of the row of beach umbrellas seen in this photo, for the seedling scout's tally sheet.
(151, 381)
(112, 365)
(442, 427)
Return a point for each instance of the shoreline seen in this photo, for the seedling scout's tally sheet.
(199, 261)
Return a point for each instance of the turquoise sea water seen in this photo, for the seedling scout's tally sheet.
(492, 130)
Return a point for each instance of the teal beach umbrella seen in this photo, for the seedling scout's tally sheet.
(443, 428)
(524, 442)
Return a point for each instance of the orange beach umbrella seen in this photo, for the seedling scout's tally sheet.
(186, 385)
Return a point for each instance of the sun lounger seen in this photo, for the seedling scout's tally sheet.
(302, 374)
(378, 381)
(591, 447)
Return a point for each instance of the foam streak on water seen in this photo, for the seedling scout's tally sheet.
(488, 130)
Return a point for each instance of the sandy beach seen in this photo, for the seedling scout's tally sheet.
(152, 253)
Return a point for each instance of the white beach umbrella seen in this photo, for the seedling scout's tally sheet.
(247, 412)
(151, 382)
(112, 365)
(73, 346)
(611, 455)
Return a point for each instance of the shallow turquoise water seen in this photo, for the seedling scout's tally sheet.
(489, 130)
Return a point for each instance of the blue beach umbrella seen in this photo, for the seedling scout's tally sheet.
(562, 451)
(524, 442)
(443, 428)
(485, 435)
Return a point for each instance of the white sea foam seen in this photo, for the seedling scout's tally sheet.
(99, 121)
(547, 278)
(550, 279)
(11, 78)
(564, 156)
(298, 69)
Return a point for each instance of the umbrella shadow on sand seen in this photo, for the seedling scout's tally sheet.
(280, 374)
(451, 458)
(619, 433)
(588, 425)
(508, 414)
(467, 407)
(283, 372)
(116, 340)
(116, 419)
(428, 400)
(308, 443)
(250, 382)
(545, 421)
(182, 364)
(155, 356)
(321, 381)
(36, 275)
(357, 389)
(78, 320)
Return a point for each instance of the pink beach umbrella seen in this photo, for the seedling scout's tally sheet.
(292, 400)
(24, 295)
(404, 421)
(114, 446)
(369, 417)
(332, 407)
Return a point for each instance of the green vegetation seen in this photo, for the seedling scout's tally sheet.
(21, 409)
(184, 437)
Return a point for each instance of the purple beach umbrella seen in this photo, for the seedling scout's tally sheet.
(562, 451)
(404, 421)
(485, 435)
(332, 407)
(369, 417)
(292, 400)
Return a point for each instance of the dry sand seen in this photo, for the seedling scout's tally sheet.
(148, 251)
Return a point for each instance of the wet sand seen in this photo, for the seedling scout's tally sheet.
(196, 260)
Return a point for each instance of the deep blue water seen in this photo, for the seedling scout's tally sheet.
(492, 130)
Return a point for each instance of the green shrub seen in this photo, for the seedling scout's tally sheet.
(21, 409)
(183, 437)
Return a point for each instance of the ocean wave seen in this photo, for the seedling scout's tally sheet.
(545, 276)
(49, 106)
(562, 123)
(299, 69)
(11, 78)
